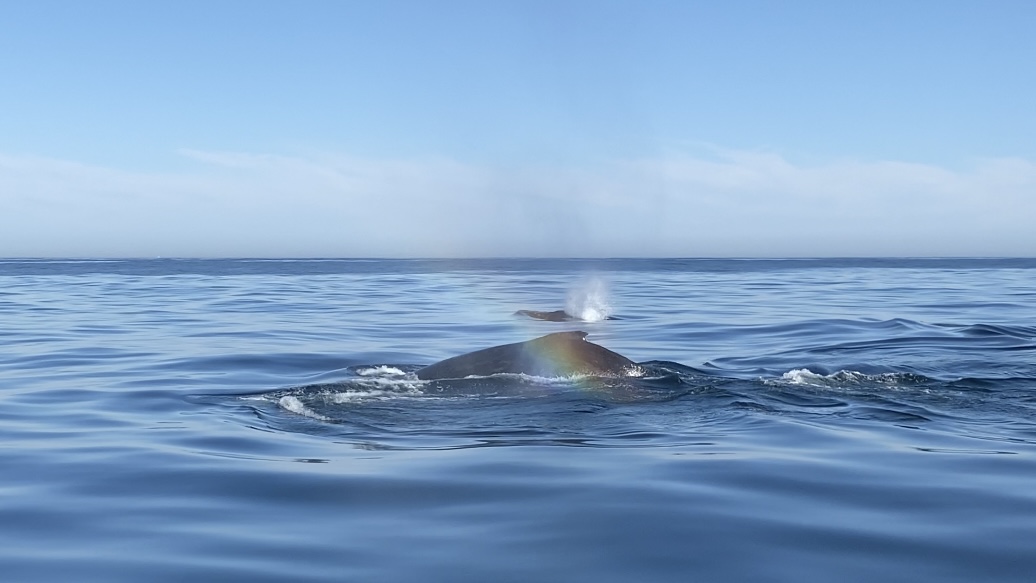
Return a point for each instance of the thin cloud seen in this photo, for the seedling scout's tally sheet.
(730, 203)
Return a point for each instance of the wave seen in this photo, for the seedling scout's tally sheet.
(384, 406)
(843, 378)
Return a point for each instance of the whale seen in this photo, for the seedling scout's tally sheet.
(554, 355)
(555, 316)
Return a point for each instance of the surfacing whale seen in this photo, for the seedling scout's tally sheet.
(555, 316)
(553, 355)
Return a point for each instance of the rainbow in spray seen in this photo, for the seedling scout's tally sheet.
(562, 354)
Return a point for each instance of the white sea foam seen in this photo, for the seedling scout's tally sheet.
(296, 406)
(361, 396)
(636, 371)
(400, 383)
(380, 371)
(804, 376)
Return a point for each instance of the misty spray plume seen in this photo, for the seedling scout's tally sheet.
(589, 301)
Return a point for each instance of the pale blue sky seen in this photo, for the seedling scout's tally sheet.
(517, 128)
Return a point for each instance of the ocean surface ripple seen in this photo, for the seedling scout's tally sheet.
(793, 420)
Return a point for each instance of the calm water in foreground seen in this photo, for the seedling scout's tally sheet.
(806, 421)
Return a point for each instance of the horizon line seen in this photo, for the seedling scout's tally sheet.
(518, 258)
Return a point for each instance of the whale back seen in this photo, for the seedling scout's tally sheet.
(553, 355)
(555, 316)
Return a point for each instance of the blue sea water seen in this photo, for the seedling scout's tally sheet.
(259, 420)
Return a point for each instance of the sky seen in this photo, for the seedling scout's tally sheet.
(517, 128)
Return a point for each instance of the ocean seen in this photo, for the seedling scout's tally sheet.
(259, 420)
